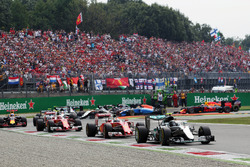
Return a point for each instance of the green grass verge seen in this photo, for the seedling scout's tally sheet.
(245, 108)
(241, 120)
(243, 159)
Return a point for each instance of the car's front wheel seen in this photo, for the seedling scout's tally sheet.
(204, 131)
(165, 135)
(236, 108)
(106, 129)
(39, 125)
(50, 124)
(79, 124)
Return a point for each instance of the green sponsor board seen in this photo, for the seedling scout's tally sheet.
(199, 98)
(26, 105)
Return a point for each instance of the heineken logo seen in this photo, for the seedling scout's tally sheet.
(80, 102)
(13, 106)
(203, 99)
(131, 101)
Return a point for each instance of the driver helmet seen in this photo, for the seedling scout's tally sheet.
(172, 123)
(11, 114)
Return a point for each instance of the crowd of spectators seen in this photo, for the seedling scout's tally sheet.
(30, 53)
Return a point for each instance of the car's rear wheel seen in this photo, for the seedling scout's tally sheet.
(50, 124)
(131, 112)
(141, 134)
(227, 109)
(39, 125)
(80, 113)
(79, 124)
(24, 121)
(1, 122)
(139, 124)
(106, 129)
(73, 115)
(35, 118)
(91, 130)
(165, 135)
(191, 110)
(204, 131)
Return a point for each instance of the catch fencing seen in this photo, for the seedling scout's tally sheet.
(184, 81)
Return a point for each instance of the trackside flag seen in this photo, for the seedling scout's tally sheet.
(82, 77)
(59, 80)
(79, 19)
(52, 78)
(77, 30)
(13, 80)
(117, 82)
(213, 32)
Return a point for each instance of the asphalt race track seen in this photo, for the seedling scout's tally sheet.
(27, 147)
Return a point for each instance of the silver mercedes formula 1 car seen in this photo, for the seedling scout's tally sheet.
(171, 131)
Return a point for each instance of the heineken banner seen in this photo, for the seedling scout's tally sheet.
(26, 105)
(199, 98)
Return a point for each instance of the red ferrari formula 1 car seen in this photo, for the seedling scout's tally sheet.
(12, 120)
(53, 121)
(221, 106)
(111, 127)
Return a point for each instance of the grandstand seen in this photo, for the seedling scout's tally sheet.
(33, 55)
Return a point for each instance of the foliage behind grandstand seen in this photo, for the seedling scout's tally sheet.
(116, 17)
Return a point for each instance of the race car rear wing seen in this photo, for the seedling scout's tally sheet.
(154, 117)
(101, 115)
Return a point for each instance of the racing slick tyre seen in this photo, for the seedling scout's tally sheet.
(91, 130)
(131, 112)
(163, 111)
(106, 129)
(139, 124)
(204, 131)
(78, 123)
(50, 124)
(191, 110)
(165, 135)
(1, 122)
(236, 108)
(141, 134)
(73, 115)
(80, 113)
(35, 118)
(24, 121)
(39, 125)
(227, 109)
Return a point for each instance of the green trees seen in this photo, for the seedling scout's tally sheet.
(5, 14)
(246, 43)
